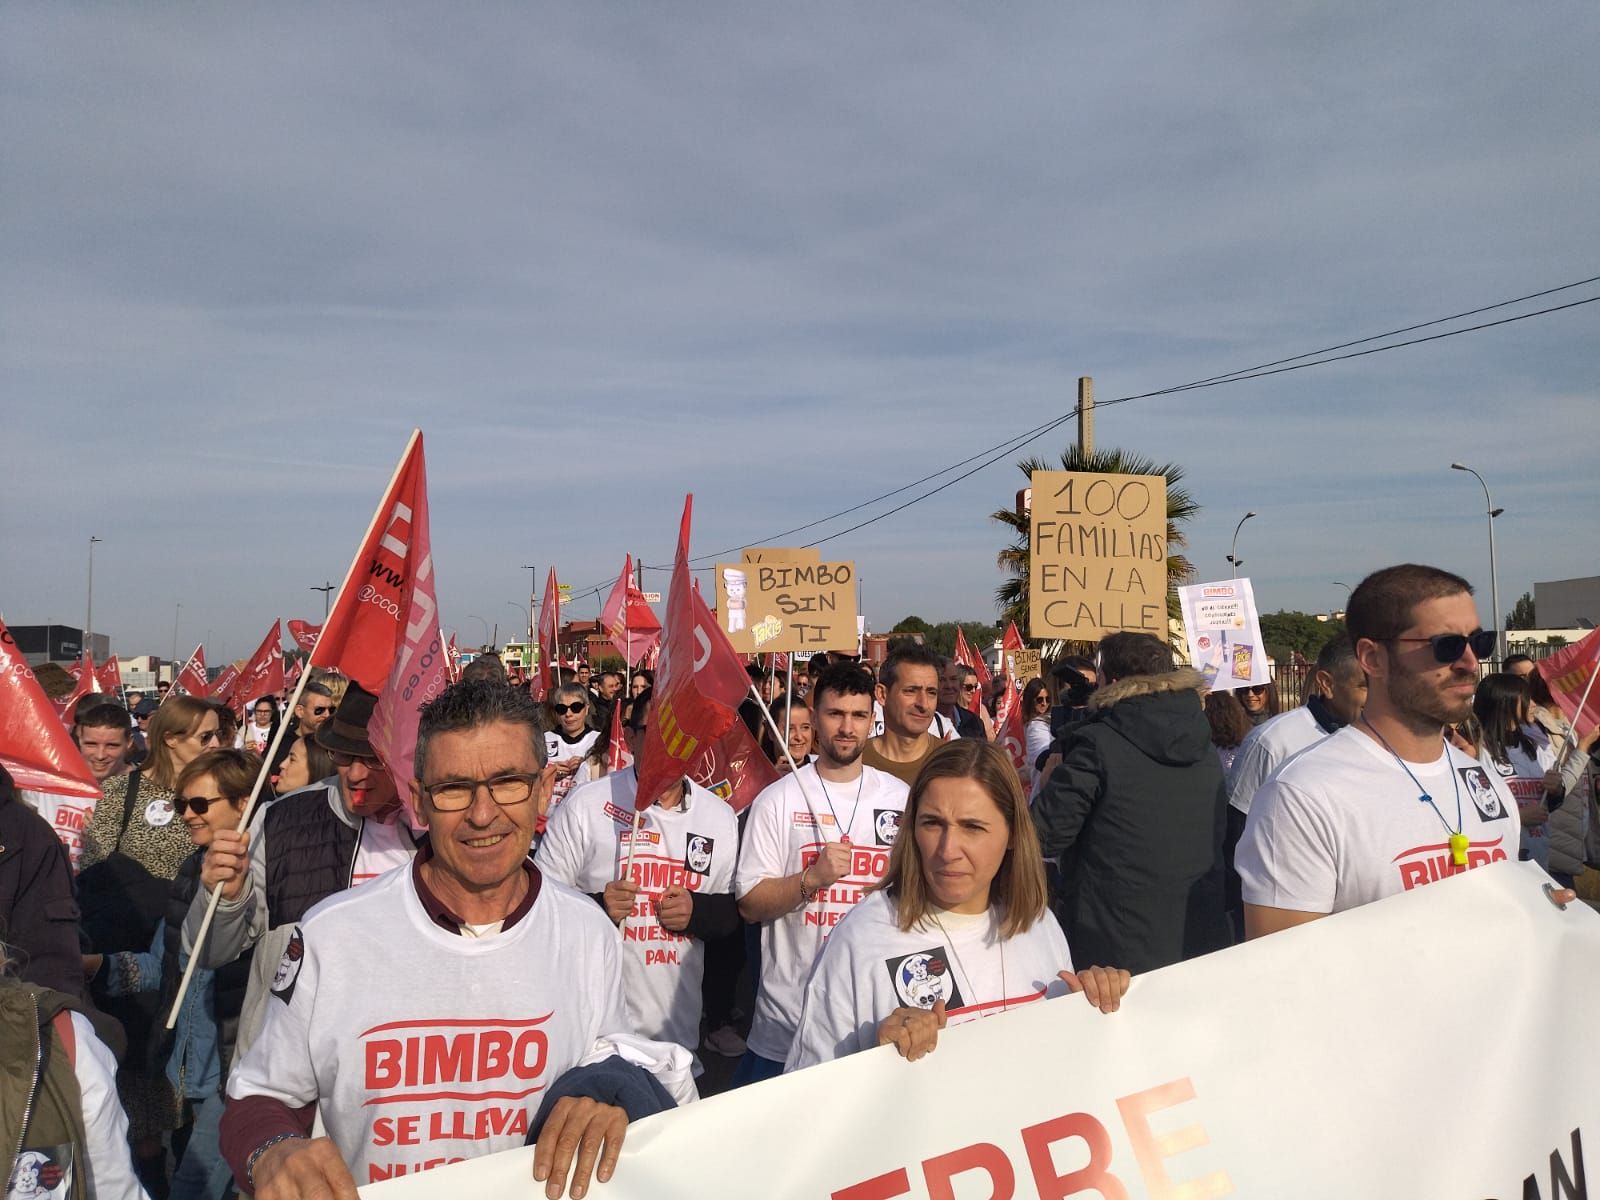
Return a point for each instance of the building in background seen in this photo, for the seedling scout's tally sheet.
(59, 644)
(1567, 603)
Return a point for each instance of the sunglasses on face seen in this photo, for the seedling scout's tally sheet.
(969, 687)
(211, 735)
(1449, 647)
(199, 804)
(341, 759)
(320, 712)
(577, 706)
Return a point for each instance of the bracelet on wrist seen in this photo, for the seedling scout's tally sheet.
(255, 1155)
(807, 894)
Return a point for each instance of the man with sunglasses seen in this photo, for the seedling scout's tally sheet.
(299, 850)
(311, 712)
(441, 1012)
(1385, 804)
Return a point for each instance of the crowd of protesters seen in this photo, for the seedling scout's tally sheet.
(517, 876)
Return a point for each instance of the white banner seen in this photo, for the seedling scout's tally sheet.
(1438, 1045)
(1224, 633)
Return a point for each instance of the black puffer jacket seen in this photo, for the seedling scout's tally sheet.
(1137, 811)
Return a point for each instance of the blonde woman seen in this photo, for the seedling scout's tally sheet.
(959, 928)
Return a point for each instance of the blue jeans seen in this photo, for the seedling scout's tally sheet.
(202, 1174)
(753, 1068)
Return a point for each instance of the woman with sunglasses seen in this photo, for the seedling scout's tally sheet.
(960, 919)
(132, 849)
(1036, 724)
(1260, 702)
(569, 740)
(211, 792)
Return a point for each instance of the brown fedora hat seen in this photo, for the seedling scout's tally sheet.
(346, 731)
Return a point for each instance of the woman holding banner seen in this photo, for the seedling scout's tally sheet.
(958, 929)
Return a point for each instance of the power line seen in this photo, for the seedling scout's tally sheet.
(1297, 362)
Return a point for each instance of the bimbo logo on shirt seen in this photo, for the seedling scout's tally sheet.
(1431, 863)
(923, 978)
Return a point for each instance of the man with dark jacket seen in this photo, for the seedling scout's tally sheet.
(1137, 811)
(38, 911)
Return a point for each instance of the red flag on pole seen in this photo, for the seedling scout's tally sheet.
(35, 748)
(110, 676)
(628, 619)
(1013, 639)
(617, 755)
(304, 634)
(76, 667)
(967, 658)
(734, 767)
(549, 633)
(223, 686)
(698, 688)
(262, 675)
(383, 631)
(66, 706)
(1570, 674)
(1008, 728)
(191, 680)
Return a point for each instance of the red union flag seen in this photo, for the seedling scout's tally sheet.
(1008, 727)
(262, 675)
(383, 631)
(1570, 674)
(110, 677)
(965, 656)
(617, 755)
(734, 768)
(698, 688)
(628, 619)
(66, 706)
(191, 680)
(549, 633)
(35, 748)
(222, 687)
(1013, 639)
(304, 634)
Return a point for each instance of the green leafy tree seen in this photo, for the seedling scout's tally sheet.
(1011, 597)
(941, 638)
(1521, 615)
(1289, 632)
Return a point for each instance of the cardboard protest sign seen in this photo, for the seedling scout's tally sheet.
(1224, 633)
(768, 607)
(1098, 551)
(1024, 664)
(756, 554)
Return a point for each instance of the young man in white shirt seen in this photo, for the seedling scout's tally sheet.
(813, 843)
(678, 896)
(1385, 804)
(434, 1013)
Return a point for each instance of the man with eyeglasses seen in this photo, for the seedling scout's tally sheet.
(1385, 804)
(299, 850)
(677, 896)
(442, 1011)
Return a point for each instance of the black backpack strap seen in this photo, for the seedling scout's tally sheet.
(130, 797)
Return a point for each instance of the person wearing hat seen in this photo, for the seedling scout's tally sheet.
(142, 712)
(300, 850)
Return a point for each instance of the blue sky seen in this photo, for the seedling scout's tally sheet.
(787, 259)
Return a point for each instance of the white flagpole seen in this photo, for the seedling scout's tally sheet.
(277, 740)
(783, 744)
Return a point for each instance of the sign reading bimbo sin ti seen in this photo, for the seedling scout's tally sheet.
(784, 604)
(1098, 549)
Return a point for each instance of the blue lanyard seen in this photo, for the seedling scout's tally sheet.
(1422, 791)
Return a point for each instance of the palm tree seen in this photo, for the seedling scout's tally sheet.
(1011, 597)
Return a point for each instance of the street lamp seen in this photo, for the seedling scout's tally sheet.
(324, 589)
(88, 616)
(523, 611)
(1234, 556)
(1494, 577)
(533, 590)
(485, 625)
(175, 617)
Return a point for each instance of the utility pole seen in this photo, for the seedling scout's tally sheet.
(88, 616)
(1085, 415)
(324, 589)
(175, 617)
(533, 592)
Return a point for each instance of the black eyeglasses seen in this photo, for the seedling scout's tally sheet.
(455, 795)
(209, 736)
(1449, 647)
(577, 706)
(182, 804)
(341, 759)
